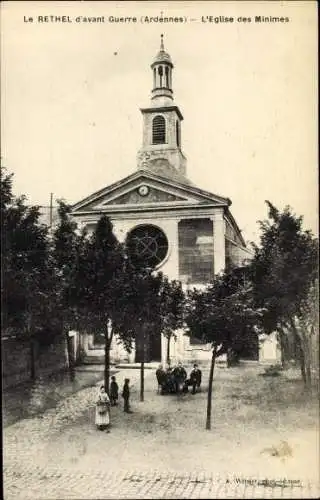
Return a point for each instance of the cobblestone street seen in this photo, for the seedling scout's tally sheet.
(60, 455)
(36, 483)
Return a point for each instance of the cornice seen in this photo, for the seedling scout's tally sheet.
(194, 211)
(232, 221)
(162, 109)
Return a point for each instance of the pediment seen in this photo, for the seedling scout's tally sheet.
(146, 189)
(144, 194)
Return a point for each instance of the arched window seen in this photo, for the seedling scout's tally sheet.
(160, 71)
(178, 133)
(167, 77)
(158, 130)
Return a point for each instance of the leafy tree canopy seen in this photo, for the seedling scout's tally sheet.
(283, 267)
(224, 314)
(27, 277)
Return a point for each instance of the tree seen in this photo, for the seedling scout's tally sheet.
(140, 312)
(171, 310)
(67, 244)
(283, 268)
(99, 284)
(27, 274)
(223, 316)
(306, 325)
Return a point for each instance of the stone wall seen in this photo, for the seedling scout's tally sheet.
(196, 250)
(16, 360)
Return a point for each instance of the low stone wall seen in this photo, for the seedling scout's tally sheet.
(16, 360)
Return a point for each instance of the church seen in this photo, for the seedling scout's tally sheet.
(186, 232)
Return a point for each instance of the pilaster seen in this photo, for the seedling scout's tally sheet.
(219, 247)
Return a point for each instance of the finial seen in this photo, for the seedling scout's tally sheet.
(161, 44)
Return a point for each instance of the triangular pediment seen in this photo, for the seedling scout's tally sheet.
(146, 189)
(144, 194)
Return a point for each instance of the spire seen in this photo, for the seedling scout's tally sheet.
(162, 75)
(162, 56)
(161, 44)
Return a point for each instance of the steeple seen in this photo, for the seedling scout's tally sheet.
(162, 77)
(161, 147)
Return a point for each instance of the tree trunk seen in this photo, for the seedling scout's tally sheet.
(32, 359)
(308, 375)
(107, 363)
(142, 380)
(32, 348)
(302, 365)
(283, 348)
(70, 353)
(168, 349)
(301, 354)
(209, 401)
(307, 361)
(142, 350)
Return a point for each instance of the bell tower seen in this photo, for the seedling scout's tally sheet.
(162, 67)
(161, 144)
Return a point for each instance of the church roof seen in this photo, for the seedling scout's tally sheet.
(163, 168)
(162, 56)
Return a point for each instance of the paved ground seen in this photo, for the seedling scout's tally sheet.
(157, 452)
(31, 398)
(97, 484)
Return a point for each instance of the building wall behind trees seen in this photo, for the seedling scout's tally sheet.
(16, 359)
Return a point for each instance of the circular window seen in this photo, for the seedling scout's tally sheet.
(147, 245)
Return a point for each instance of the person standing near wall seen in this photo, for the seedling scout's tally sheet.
(195, 378)
(126, 396)
(114, 389)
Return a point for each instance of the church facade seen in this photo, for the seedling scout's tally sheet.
(187, 233)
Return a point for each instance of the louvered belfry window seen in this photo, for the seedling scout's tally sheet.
(158, 130)
(178, 134)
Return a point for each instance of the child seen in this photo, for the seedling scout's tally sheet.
(114, 390)
(126, 396)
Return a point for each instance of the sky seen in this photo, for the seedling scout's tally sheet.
(71, 94)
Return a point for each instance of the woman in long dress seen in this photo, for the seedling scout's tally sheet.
(102, 420)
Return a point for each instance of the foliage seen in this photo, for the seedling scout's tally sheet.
(97, 273)
(283, 267)
(283, 271)
(27, 275)
(172, 301)
(98, 278)
(171, 306)
(224, 314)
(139, 307)
(67, 245)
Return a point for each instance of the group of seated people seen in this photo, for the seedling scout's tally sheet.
(175, 380)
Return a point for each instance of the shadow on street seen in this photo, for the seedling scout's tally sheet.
(35, 397)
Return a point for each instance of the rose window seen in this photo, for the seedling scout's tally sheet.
(147, 245)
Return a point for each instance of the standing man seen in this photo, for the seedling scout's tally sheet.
(114, 389)
(195, 378)
(126, 396)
